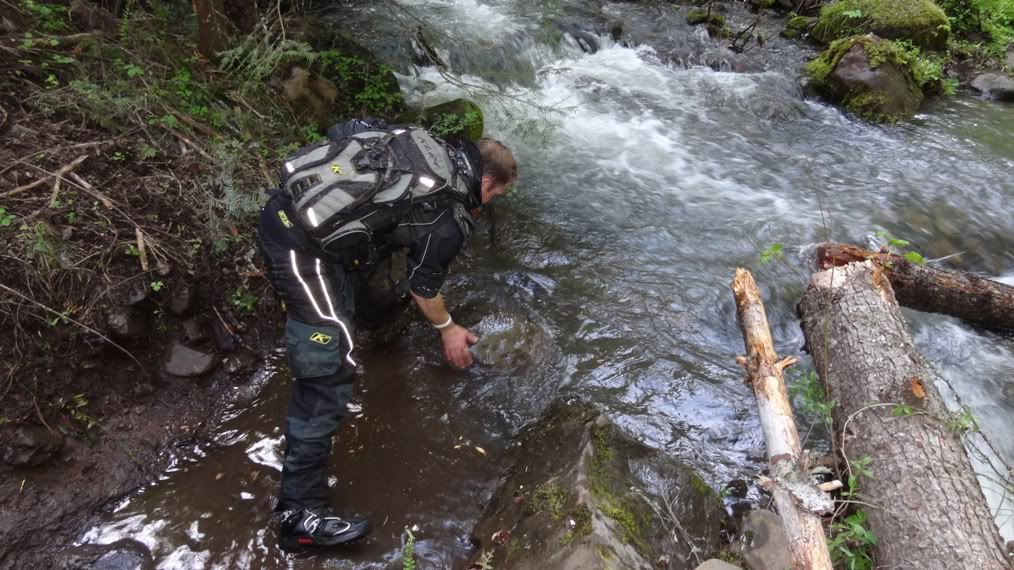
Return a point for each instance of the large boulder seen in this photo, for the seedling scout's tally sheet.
(995, 86)
(919, 21)
(459, 117)
(869, 77)
(583, 495)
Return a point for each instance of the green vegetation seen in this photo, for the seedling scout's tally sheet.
(852, 542)
(900, 247)
(808, 390)
(408, 551)
(622, 507)
(550, 499)
(582, 518)
(987, 25)
(920, 21)
(714, 22)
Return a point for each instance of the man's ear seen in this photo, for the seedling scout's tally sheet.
(487, 183)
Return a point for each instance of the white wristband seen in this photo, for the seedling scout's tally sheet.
(445, 325)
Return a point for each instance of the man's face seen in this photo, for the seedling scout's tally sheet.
(491, 189)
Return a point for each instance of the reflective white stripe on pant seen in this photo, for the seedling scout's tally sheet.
(330, 305)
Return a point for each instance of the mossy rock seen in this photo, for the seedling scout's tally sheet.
(797, 26)
(699, 16)
(919, 21)
(869, 77)
(458, 118)
(577, 496)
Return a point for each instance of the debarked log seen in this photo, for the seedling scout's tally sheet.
(969, 297)
(796, 496)
(925, 505)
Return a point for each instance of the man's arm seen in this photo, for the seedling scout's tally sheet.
(455, 338)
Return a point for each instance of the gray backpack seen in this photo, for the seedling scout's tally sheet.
(345, 191)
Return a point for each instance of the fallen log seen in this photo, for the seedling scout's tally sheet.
(971, 298)
(925, 505)
(790, 482)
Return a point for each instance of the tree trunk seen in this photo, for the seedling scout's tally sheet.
(971, 298)
(803, 528)
(212, 26)
(926, 507)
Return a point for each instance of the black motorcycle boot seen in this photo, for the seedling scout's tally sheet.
(319, 526)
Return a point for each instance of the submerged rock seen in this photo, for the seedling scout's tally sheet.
(765, 546)
(715, 23)
(123, 554)
(583, 495)
(919, 21)
(995, 86)
(868, 77)
(32, 446)
(188, 362)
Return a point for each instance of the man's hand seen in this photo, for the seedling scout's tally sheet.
(457, 339)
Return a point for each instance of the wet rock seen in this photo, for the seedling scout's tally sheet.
(1008, 393)
(577, 496)
(797, 27)
(311, 96)
(470, 118)
(187, 362)
(884, 93)
(995, 86)
(194, 331)
(32, 446)
(183, 301)
(123, 554)
(716, 564)
(715, 23)
(126, 324)
(919, 21)
(737, 488)
(765, 546)
(238, 363)
(224, 340)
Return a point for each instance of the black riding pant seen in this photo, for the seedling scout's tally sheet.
(320, 299)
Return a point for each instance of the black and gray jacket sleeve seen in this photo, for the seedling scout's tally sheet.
(434, 239)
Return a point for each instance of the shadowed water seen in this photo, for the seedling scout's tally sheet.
(609, 276)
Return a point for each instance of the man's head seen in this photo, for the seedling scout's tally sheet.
(499, 169)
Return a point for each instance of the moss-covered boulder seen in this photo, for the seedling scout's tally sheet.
(714, 22)
(459, 117)
(797, 26)
(919, 21)
(869, 77)
(583, 495)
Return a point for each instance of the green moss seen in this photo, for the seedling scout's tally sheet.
(606, 477)
(458, 117)
(730, 557)
(867, 105)
(550, 499)
(797, 26)
(695, 17)
(920, 21)
(582, 518)
(604, 552)
(512, 548)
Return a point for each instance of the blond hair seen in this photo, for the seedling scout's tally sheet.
(498, 161)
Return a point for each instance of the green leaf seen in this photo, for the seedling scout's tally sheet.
(915, 258)
(902, 411)
(134, 70)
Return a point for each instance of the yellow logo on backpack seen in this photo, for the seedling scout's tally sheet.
(320, 338)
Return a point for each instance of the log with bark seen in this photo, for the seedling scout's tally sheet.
(796, 497)
(925, 505)
(971, 298)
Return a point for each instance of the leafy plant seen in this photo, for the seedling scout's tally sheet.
(132, 250)
(852, 542)
(902, 411)
(156, 286)
(962, 421)
(771, 253)
(6, 218)
(408, 552)
(897, 247)
(243, 299)
(81, 423)
(857, 468)
(451, 124)
(809, 390)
